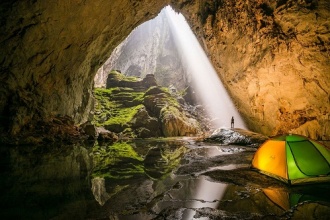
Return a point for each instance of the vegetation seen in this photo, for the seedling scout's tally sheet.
(121, 161)
(117, 161)
(121, 77)
(109, 111)
(131, 109)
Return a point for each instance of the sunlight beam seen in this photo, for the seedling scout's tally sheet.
(204, 78)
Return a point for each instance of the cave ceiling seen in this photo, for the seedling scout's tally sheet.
(271, 55)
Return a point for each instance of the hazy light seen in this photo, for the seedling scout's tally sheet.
(204, 78)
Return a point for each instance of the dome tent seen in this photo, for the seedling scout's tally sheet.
(293, 159)
(287, 200)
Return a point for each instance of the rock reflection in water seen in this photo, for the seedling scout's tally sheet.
(142, 180)
(193, 194)
(99, 190)
(45, 182)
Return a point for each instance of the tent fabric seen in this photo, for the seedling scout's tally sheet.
(293, 159)
(279, 197)
(286, 200)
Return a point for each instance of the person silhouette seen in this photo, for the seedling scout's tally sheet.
(232, 122)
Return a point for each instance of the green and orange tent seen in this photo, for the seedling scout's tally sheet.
(293, 159)
(286, 200)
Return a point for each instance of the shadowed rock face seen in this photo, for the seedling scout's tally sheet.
(272, 56)
(50, 52)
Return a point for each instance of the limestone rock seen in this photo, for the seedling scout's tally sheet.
(99, 191)
(146, 125)
(272, 56)
(236, 136)
(140, 108)
(50, 53)
(149, 49)
(175, 123)
(93, 132)
(116, 79)
(90, 130)
(105, 135)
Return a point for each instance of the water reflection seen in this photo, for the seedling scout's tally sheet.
(194, 193)
(287, 200)
(44, 182)
(138, 180)
(99, 190)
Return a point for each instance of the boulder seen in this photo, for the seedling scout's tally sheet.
(105, 135)
(236, 136)
(149, 81)
(90, 130)
(145, 125)
(175, 123)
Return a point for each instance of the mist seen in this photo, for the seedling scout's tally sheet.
(205, 81)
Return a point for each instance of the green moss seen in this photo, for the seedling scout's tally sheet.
(109, 108)
(167, 161)
(117, 161)
(121, 77)
(122, 116)
(116, 107)
(170, 110)
(128, 132)
(165, 89)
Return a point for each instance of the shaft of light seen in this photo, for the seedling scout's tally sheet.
(205, 80)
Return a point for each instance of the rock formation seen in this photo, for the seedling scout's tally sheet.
(149, 49)
(237, 136)
(272, 56)
(50, 52)
(140, 108)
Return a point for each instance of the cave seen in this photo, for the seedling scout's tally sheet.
(272, 57)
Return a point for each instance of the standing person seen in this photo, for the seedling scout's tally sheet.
(232, 122)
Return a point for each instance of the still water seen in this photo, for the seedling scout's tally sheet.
(148, 179)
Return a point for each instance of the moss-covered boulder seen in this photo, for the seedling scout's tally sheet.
(116, 79)
(145, 125)
(173, 119)
(139, 108)
(176, 123)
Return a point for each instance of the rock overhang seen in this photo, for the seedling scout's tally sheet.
(272, 57)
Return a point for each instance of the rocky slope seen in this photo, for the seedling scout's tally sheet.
(272, 56)
(140, 108)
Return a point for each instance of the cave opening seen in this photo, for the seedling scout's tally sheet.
(59, 166)
(166, 51)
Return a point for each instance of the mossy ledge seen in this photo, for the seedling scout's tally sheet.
(139, 108)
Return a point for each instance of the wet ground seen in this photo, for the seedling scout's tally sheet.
(149, 179)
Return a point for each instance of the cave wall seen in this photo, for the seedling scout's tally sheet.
(274, 59)
(149, 49)
(272, 56)
(50, 51)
